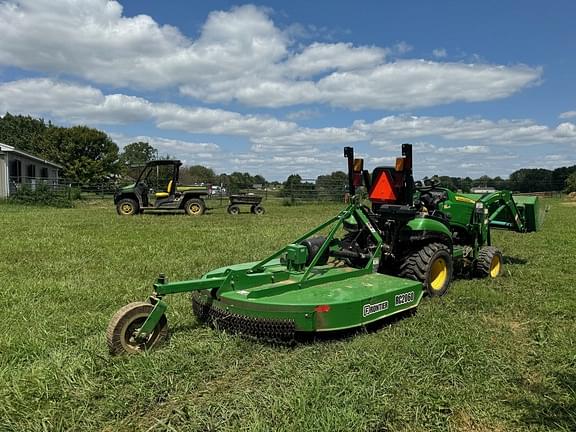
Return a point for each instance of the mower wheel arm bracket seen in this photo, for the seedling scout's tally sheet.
(152, 320)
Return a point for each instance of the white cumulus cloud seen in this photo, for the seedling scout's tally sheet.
(239, 55)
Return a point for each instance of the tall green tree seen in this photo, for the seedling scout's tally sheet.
(531, 180)
(258, 179)
(87, 155)
(560, 176)
(198, 174)
(332, 186)
(23, 132)
(570, 183)
(137, 153)
(134, 156)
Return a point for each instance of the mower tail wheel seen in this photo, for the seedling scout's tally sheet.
(490, 262)
(127, 207)
(257, 210)
(233, 209)
(431, 265)
(124, 325)
(195, 207)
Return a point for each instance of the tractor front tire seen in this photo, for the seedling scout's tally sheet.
(194, 207)
(127, 207)
(432, 265)
(490, 262)
(125, 323)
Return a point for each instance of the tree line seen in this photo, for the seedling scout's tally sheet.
(89, 156)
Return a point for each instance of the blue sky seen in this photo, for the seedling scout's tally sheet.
(276, 88)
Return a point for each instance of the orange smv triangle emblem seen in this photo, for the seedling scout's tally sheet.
(383, 189)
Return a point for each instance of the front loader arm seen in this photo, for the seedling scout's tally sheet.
(500, 202)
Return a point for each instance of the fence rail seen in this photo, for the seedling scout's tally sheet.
(306, 190)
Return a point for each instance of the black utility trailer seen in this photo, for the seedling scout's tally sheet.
(252, 200)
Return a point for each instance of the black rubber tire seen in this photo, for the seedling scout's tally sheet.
(125, 203)
(485, 264)
(195, 207)
(233, 209)
(125, 322)
(257, 210)
(419, 264)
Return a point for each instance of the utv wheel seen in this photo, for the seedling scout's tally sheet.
(127, 207)
(431, 265)
(124, 325)
(257, 210)
(490, 262)
(233, 209)
(194, 207)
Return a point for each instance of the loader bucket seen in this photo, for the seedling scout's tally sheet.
(533, 210)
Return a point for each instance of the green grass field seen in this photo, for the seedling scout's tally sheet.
(489, 356)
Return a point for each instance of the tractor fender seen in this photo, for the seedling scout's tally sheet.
(424, 229)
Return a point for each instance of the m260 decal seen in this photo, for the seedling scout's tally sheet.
(369, 309)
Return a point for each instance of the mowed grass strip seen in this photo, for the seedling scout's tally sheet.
(491, 355)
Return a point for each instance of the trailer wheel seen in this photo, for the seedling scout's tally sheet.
(125, 323)
(194, 207)
(490, 262)
(127, 207)
(432, 265)
(233, 209)
(257, 209)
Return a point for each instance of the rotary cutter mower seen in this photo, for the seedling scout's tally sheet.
(373, 262)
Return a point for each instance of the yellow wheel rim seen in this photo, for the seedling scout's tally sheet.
(438, 274)
(194, 209)
(126, 208)
(495, 266)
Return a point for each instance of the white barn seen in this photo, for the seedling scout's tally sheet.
(18, 168)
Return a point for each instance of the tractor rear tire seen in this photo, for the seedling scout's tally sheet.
(127, 207)
(490, 262)
(233, 209)
(194, 207)
(432, 265)
(125, 322)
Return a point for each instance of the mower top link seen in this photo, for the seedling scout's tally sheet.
(371, 263)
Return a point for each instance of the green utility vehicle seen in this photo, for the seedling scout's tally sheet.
(365, 264)
(157, 189)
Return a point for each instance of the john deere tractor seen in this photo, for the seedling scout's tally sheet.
(429, 232)
(157, 189)
(366, 263)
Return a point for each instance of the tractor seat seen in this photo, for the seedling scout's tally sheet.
(164, 194)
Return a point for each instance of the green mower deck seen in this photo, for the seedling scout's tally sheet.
(336, 297)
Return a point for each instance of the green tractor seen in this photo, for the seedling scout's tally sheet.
(372, 262)
(431, 233)
(157, 189)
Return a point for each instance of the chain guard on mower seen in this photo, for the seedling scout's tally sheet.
(270, 330)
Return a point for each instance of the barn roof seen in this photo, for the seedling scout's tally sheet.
(5, 148)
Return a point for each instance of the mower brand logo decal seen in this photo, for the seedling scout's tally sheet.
(401, 299)
(369, 309)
